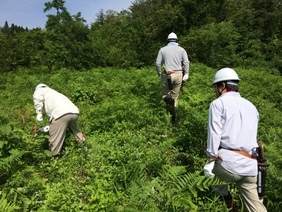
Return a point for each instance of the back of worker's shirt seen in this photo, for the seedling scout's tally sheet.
(172, 56)
(54, 103)
(233, 124)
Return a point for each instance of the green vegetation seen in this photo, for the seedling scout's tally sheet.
(133, 159)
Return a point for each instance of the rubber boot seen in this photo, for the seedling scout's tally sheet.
(170, 107)
(228, 201)
(222, 191)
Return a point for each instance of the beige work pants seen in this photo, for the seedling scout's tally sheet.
(247, 187)
(58, 130)
(176, 80)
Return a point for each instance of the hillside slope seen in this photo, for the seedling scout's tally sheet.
(133, 159)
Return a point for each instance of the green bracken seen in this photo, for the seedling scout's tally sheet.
(133, 159)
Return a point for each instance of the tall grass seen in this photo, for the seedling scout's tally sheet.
(134, 159)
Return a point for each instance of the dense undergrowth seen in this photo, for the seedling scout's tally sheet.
(133, 159)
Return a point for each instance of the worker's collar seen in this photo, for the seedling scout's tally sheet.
(230, 94)
(173, 43)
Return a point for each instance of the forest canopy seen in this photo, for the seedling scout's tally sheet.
(216, 33)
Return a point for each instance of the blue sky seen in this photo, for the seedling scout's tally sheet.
(29, 13)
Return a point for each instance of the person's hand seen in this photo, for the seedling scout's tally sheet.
(44, 129)
(185, 77)
(39, 117)
(208, 169)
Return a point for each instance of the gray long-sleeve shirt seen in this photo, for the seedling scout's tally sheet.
(172, 56)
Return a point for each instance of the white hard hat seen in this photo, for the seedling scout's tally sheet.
(225, 74)
(172, 36)
(40, 86)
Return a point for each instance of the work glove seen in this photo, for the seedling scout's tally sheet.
(185, 77)
(44, 129)
(39, 117)
(208, 169)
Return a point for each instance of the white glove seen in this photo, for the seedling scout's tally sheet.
(39, 117)
(44, 129)
(208, 169)
(185, 77)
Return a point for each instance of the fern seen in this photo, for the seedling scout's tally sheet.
(135, 158)
(7, 163)
(6, 206)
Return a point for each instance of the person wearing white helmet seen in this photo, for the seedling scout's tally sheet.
(62, 113)
(172, 66)
(232, 139)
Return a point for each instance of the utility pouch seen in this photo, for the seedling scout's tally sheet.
(168, 79)
(169, 82)
(262, 167)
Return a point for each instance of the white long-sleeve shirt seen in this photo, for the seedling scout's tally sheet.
(172, 56)
(233, 124)
(54, 103)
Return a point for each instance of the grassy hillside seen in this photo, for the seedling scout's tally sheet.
(133, 159)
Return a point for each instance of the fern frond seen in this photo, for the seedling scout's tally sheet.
(8, 162)
(6, 206)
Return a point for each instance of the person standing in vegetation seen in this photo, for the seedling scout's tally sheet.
(172, 66)
(232, 139)
(62, 112)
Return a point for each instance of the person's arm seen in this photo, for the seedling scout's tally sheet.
(214, 131)
(159, 64)
(214, 137)
(185, 63)
(38, 100)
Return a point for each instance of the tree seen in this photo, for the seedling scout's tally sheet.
(6, 28)
(213, 44)
(69, 35)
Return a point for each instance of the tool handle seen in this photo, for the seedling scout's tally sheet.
(260, 151)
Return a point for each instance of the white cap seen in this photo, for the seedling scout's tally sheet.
(40, 86)
(226, 74)
(172, 36)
